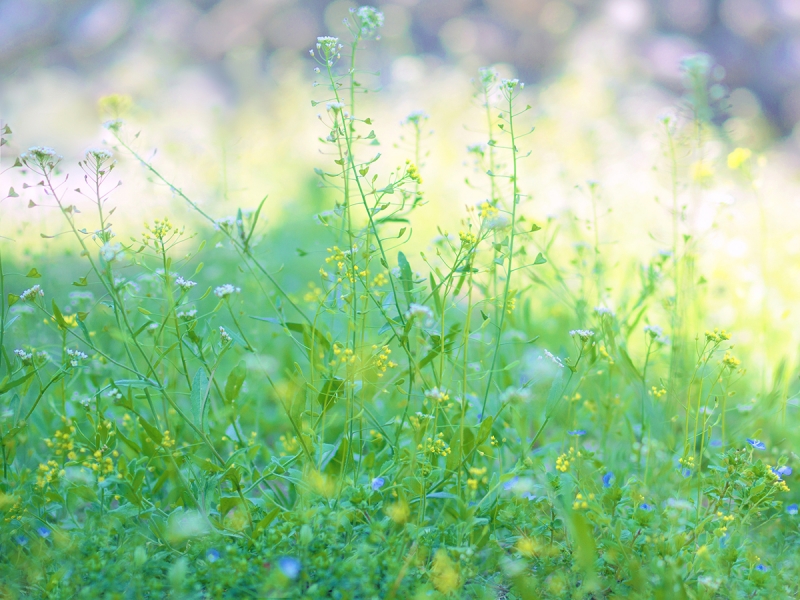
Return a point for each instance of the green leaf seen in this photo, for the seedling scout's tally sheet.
(330, 392)
(484, 430)
(12, 300)
(153, 433)
(59, 317)
(7, 386)
(540, 259)
(33, 274)
(80, 283)
(236, 378)
(199, 398)
(405, 275)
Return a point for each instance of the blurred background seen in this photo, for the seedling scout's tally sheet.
(223, 46)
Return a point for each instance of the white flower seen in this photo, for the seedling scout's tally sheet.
(553, 358)
(602, 311)
(40, 156)
(31, 293)
(335, 106)
(438, 395)
(111, 252)
(98, 155)
(514, 395)
(184, 284)
(25, 357)
(583, 334)
(421, 312)
(226, 290)
(370, 20)
(187, 315)
(75, 356)
(224, 336)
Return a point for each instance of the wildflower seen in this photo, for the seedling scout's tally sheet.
(111, 252)
(75, 356)
(25, 357)
(487, 210)
(717, 336)
(701, 171)
(509, 85)
(43, 532)
(21, 540)
(437, 395)
(289, 566)
(656, 333)
(420, 311)
(40, 156)
(757, 444)
(226, 290)
(608, 479)
(583, 334)
(224, 336)
(184, 284)
(762, 568)
(783, 471)
(553, 358)
(792, 509)
(514, 395)
(738, 158)
(212, 555)
(98, 156)
(686, 473)
(577, 432)
(602, 311)
(645, 506)
(31, 293)
(335, 106)
(530, 497)
(377, 483)
(370, 20)
(187, 315)
(509, 485)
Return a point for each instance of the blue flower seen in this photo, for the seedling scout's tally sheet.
(782, 471)
(577, 432)
(21, 540)
(762, 568)
(646, 506)
(377, 483)
(792, 509)
(686, 472)
(715, 443)
(43, 531)
(530, 497)
(757, 444)
(508, 485)
(289, 566)
(212, 555)
(608, 479)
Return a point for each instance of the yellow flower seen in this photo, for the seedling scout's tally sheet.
(738, 158)
(701, 171)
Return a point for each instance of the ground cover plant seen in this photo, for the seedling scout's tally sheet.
(504, 411)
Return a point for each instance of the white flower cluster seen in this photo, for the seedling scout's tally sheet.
(226, 290)
(98, 155)
(603, 311)
(437, 395)
(74, 357)
(111, 252)
(187, 315)
(329, 48)
(31, 293)
(370, 20)
(553, 358)
(25, 357)
(114, 394)
(40, 156)
(224, 336)
(583, 334)
(514, 395)
(509, 85)
(184, 284)
(656, 334)
(420, 312)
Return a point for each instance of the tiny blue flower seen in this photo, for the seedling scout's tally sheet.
(608, 479)
(530, 497)
(716, 443)
(21, 540)
(792, 509)
(377, 483)
(782, 471)
(43, 532)
(646, 506)
(289, 566)
(212, 555)
(508, 485)
(757, 444)
(762, 568)
(686, 472)
(577, 432)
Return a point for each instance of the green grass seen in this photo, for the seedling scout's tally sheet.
(193, 412)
